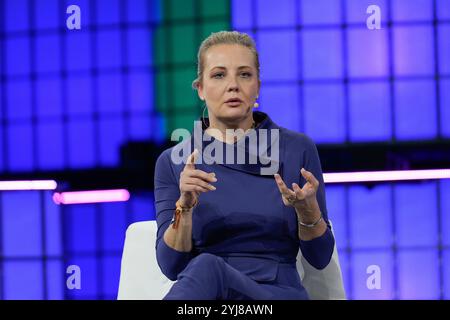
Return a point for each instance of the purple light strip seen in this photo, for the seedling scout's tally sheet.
(95, 196)
(399, 175)
(28, 185)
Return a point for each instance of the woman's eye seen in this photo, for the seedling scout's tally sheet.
(246, 74)
(218, 76)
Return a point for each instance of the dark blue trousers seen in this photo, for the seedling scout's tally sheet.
(210, 277)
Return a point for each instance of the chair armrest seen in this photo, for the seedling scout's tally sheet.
(140, 275)
(325, 284)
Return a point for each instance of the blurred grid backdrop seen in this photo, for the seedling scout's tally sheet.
(340, 82)
(184, 25)
(85, 91)
(70, 99)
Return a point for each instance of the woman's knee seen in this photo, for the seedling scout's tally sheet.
(207, 260)
(205, 267)
(203, 278)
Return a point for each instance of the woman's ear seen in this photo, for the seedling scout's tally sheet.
(200, 91)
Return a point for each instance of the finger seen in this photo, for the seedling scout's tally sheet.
(299, 193)
(200, 182)
(284, 190)
(208, 177)
(309, 177)
(196, 173)
(190, 162)
(194, 188)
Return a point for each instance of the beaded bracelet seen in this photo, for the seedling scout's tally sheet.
(178, 211)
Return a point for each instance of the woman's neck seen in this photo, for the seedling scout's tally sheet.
(229, 133)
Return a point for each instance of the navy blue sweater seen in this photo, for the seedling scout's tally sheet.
(245, 215)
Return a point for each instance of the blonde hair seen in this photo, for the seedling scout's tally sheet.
(223, 37)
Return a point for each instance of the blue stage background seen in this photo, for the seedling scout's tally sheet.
(70, 99)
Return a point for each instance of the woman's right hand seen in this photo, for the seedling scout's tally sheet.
(194, 181)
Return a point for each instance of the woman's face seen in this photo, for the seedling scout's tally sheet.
(230, 83)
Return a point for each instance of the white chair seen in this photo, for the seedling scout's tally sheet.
(141, 278)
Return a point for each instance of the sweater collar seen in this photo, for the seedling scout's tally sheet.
(257, 152)
(262, 120)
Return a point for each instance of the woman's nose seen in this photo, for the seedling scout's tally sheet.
(233, 86)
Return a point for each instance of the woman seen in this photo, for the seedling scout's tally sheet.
(225, 230)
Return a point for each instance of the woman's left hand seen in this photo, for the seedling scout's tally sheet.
(302, 199)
